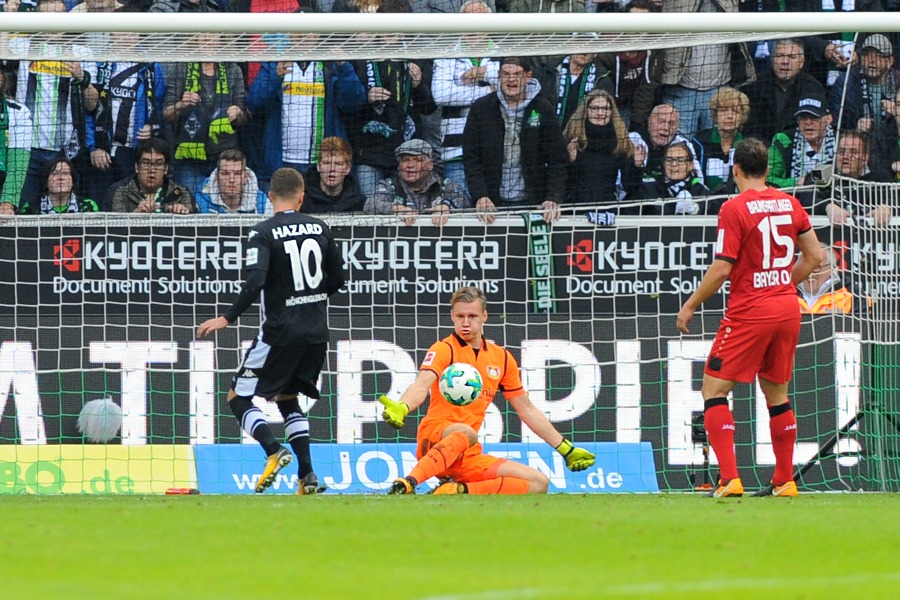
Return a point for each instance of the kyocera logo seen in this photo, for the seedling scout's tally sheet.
(579, 256)
(73, 255)
(65, 255)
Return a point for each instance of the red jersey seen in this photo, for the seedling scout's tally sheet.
(499, 371)
(757, 233)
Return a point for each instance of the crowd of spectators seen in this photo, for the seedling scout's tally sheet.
(641, 132)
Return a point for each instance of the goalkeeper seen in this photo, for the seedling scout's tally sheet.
(447, 439)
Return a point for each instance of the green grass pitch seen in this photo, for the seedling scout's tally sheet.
(558, 547)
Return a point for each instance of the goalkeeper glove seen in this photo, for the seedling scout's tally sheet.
(577, 459)
(394, 412)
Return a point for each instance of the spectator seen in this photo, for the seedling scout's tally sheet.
(58, 192)
(774, 97)
(15, 148)
(97, 6)
(302, 103)
(58, 95)
(513, 149)
(843, 198)
(887, 149)
(331, 187)
(456, 84)
(545, 6)
(691, 75)
(185, 6)
(662, 130)
(796, 152)
(714, 147)
(679, 190)
(634, 75)
(149, 190)
(600, 152)
(362, 6)
(823, 292)
(867, 84)
(232, 188)
(205, 104)
(395, 97)
(129, 111)
(450, 6)
(416, 188)
(577, 75)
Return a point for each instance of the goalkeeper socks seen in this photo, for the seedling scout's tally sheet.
(719, 424)
(441, 456)
(253, 421)
(498, 485)
(296, 430)
(783, 427)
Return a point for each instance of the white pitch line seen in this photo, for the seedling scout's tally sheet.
(660, 588)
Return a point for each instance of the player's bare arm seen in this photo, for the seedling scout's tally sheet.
(577, 459)
(535, 419)
(395, 411)
(715, 277)
(211, 325)
(810, 256)
(415, 395)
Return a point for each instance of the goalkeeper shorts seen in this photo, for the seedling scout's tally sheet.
(473, 465)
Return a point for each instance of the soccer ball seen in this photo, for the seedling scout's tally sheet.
(460, 384)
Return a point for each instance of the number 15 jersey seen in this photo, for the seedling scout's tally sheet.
(757, 233)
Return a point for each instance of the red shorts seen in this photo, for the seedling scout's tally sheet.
(471, 466)
(742, 350)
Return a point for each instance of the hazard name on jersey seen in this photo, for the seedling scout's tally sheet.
(295, 229)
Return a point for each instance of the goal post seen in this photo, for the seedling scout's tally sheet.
(107, 304)
(346, 36)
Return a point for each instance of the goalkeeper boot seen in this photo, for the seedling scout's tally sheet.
(785, 490)
(309, 485)
(450, 487)
(404, 485)
(728, 489)
(274, 464)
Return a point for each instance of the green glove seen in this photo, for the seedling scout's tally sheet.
(577, 459)
(394, 412)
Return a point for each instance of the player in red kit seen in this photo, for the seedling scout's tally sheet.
(758, 234)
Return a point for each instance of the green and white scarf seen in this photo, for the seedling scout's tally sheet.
(4, 133)
(799, 154)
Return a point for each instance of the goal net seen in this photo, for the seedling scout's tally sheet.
(100, 299)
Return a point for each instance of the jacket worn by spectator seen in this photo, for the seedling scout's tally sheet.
(344, 93)
(594, 173)
(376, 129)
(184, 6)
(126, 195)
(542, 150)
(666, 197)
(316, 201)
(790, 158)
(676, 60)
(392, 191)
(635, 80)
(253, 200)
(15, 135)
(853, 108)
(772, 109)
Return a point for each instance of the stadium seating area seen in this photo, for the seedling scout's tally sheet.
(642, 132)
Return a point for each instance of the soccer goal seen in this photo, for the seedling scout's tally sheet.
(106, 304)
